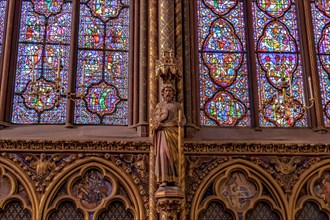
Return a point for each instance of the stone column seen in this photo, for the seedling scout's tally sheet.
(170, 199)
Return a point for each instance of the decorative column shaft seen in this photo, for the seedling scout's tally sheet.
(166, 26)
(73, 63)
(152, 47)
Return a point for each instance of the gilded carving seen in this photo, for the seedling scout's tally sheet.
(167, 67)
(133, 165)
(286, 170)
(254, 148)
(322, 187)
(238, 190)
(168, 209)
(41, 169)
(139, 162)
(91, 189)
(198, 168)
(84, 146)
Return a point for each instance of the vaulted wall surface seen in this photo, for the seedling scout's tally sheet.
(107, 172)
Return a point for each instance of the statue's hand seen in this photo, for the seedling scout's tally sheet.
(158, 125)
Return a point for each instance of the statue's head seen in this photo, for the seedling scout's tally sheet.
(168, 92)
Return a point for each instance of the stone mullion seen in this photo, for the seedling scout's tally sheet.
(143, 53)
(311, 64)
(6, 63)
(188, 71)
(73, 63)
(134, 26)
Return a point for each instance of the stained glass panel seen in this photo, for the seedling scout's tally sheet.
(224, 98)
(278, 64)
(3, 6)
(42, 63)
(321, 22)
(102, 75)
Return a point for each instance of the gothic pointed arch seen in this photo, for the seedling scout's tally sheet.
(95, 185)
(240, 186)
(311, 193)
(17, 192)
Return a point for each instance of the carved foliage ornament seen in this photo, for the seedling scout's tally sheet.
(42, 168)
(286, 170)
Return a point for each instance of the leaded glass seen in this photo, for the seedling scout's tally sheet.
(278, 60)
(224, 98)
(321, 22)
(102, 74)
(3, 6)
(43, 47)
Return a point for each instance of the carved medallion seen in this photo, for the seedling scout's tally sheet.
(322, 187)
(91, 189)
(238, 190)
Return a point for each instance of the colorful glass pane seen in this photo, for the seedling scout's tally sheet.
(278, 63)
(224, 98)
(3, 6)
(321, 22)
(42, 63)
(102, 74)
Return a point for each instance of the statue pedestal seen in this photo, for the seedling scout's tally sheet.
(169, 199)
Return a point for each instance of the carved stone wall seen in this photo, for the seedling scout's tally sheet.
(74, 185)
(81, 184)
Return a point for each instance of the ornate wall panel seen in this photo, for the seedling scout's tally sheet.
(17, 196)
(220, 182)
(77, 185)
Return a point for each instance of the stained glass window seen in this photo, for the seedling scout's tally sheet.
(224, 97)
(43, 47)
(102, 74)
(278, 61)
(3, 4)
(224, 78)
(321, 21)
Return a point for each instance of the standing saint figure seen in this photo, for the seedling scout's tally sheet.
(165, 136)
